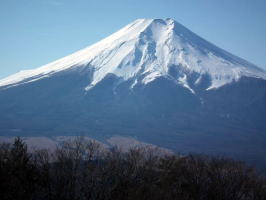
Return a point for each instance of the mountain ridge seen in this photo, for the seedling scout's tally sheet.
(149, 48)
(148, 83)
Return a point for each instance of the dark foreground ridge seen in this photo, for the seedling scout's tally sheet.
(81, 169)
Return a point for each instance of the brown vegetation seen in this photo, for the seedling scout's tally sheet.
(83, 170)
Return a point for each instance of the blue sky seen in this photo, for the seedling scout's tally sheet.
(36, 32)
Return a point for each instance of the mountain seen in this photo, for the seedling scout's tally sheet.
(149, 49)
(153, 80)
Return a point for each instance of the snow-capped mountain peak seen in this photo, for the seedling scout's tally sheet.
(145, 50)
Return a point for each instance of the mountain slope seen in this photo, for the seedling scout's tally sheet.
(148, 49)
(153, 80)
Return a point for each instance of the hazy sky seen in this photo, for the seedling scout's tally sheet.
(36, 32)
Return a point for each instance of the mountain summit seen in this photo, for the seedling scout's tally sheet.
(153, 80)
(145, 50)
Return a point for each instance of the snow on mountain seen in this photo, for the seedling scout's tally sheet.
(147, 48)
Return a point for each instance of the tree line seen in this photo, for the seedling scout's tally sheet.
(84, 170)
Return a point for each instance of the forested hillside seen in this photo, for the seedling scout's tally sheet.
(83, 169)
